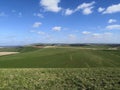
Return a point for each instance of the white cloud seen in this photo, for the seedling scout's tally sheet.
(38, 15)
(38, 32)
(87, 11)
(69, 11)
(86, 8)
(37, 24)
(51, 5)
(96, 35)
(101, 35)
(86, 32)
(112, 21)
(104, 37)
(100, 9)
(112, 9)
(57, 28)
(112, 27)
(85, 5)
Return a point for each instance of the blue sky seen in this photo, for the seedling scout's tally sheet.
(59, 21)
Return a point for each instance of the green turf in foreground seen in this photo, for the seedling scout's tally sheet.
(60, 79)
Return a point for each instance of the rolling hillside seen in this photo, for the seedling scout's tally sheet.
(60, 68)
(61, 58)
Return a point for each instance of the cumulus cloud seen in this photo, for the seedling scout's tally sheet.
(112, 20)
(57, 28)
(69, 11)
(51, 5)
(37, 24)
(113, 27)
(86, 9)
(112, 9)
(86, 32)
(100, 9)
(85, 5)
(38, 15)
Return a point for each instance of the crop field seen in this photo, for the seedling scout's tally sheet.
(7, 53)
(60, 79)
(61, 58)
(60, 68)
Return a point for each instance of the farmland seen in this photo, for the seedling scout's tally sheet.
(7, 53)
(60, 68)
(60, 79)
(73, 57)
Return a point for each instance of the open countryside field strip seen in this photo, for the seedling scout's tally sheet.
(60, 79)
(61, 58)
(60, 69)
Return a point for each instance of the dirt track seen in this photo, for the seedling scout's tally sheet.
(7, 53)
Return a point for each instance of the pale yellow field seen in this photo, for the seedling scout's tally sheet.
(7, 53)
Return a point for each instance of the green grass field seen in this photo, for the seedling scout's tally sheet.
(61, 58)
(63, 68)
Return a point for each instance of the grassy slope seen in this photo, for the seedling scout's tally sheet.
(60, 79)
(60, 58)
